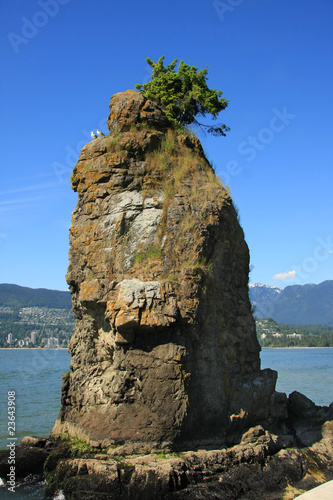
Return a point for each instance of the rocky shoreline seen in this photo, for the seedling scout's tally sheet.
(262, 465)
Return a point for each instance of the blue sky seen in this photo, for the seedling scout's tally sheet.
(62, 60)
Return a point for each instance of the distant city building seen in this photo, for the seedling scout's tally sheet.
(10, 338)
(33, 337)
(52, 342)
(295, 335)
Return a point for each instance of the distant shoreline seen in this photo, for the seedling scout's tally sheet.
(296, 347)
(33, 348)
(66, 349)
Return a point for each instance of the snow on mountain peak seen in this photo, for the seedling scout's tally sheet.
(260, 285)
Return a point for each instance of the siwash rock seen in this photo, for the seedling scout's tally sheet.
(164, 351)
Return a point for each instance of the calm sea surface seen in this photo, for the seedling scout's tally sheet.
(35, 376)
(309, 371)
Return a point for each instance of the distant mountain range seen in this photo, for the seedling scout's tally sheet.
(16, 297)
(297, 304)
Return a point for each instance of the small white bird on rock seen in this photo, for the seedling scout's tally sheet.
(59, 495)
(100, 133)
(93, 136)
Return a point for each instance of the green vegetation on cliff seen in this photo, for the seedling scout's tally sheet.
(178, 168)
(183, 94)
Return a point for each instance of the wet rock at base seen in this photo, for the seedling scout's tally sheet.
(255, 468)
(27, 458)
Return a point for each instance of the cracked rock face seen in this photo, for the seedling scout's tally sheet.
(164, 350)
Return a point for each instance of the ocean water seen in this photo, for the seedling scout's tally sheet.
(35, 376)
(309, 371)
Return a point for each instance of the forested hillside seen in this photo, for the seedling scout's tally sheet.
(16, 297)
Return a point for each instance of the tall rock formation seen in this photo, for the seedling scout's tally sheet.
(164, 350)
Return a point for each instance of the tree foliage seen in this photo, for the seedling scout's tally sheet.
(184, 95)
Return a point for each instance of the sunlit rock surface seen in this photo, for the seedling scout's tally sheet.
(164, 351)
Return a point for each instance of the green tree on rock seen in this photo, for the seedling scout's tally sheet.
(184, 95)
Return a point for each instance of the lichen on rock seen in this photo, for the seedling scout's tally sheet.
(164, 350)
